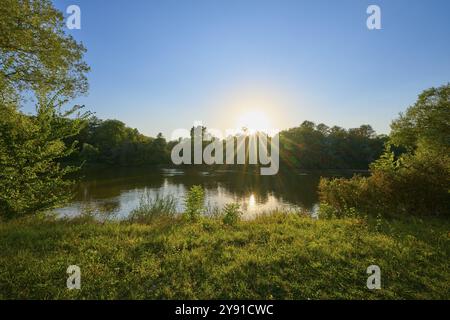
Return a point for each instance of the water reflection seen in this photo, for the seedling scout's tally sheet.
(251, 202)
(115, 192)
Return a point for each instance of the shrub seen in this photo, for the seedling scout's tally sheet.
(411, 184)
(416, 182)
(328, 211)
(231, 214)
(339, 195)
(31, 177)
(152, 207)
(194, 203)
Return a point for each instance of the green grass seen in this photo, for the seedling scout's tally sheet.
(274, 257)
(151, 208)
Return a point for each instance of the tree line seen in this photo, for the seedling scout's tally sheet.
(308, 146)
(112, 142)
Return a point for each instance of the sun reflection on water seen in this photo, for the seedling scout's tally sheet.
(252, 202)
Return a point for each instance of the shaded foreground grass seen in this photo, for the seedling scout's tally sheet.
(274, 257)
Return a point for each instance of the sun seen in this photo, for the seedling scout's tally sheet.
(254, 121)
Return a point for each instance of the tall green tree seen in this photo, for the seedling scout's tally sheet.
(36, 54)
(37, 59)
(426, 123)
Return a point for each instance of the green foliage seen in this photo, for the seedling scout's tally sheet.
(272, 257)
(36, 54)
(307, 146)
(411, 184)
(337, 210)
(112, 142)
(152, 207)
(38, 58)
(311, 146)
(427, 122)
(231, 214)
(89, 153)
(31, 179)
(194, 203)
(415, 182)
(341, 197)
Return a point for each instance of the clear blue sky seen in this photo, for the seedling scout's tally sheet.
(161, 65)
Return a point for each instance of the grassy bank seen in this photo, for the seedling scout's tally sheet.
(279, 257)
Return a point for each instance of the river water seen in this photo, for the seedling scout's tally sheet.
(114, 192)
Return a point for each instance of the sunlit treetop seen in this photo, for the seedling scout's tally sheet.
(36, 55)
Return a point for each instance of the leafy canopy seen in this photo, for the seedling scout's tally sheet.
(36, 54)
(37, 59)
(426, 122)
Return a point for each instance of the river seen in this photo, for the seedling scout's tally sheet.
(114, 192)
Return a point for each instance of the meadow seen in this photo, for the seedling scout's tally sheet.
(276, 256)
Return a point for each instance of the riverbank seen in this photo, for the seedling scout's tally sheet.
(273, 257)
